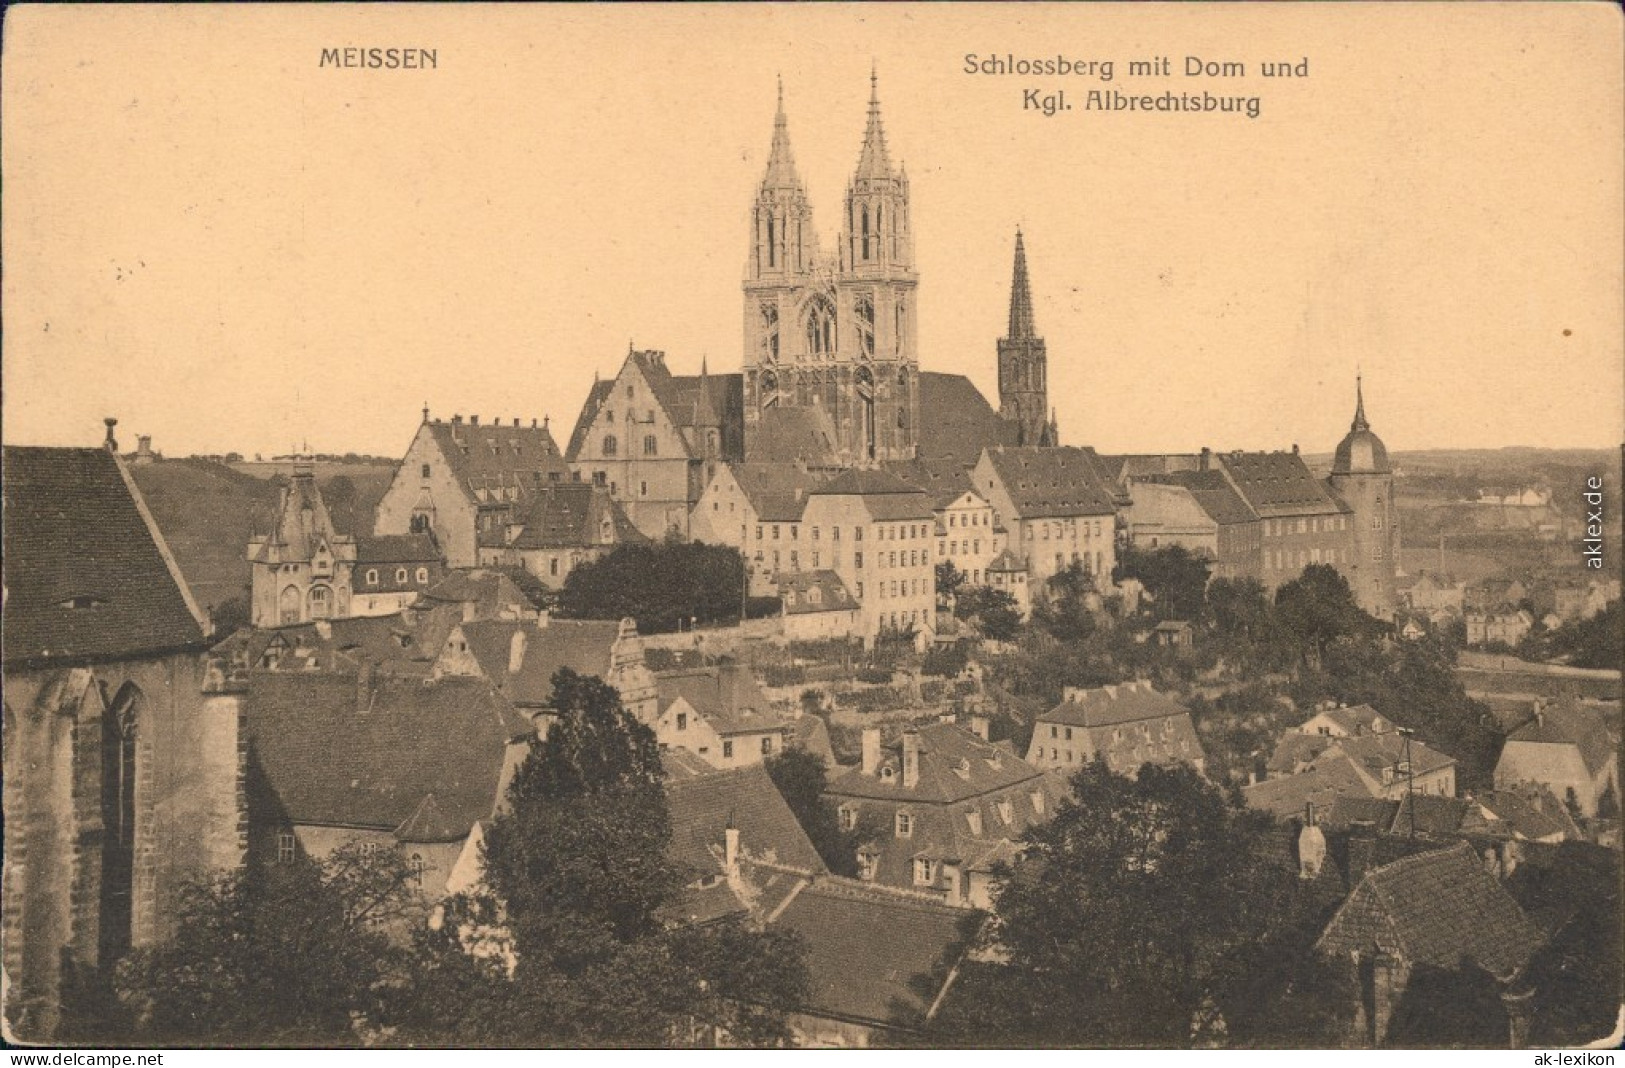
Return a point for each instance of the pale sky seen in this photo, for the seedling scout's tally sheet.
(228, 247)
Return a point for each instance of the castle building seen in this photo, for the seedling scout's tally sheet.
(1024, 365)
(1363, 478)
(830, 339)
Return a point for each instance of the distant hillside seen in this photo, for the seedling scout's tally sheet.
(208, 511)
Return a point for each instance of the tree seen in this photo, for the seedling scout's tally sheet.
(1063, 610)
(1598, 642)
(1175, 578)
(801, 778)
(580, 886)
(276, 954)
(1147, 912)
(663, 586)
(1239, 607)
(949, 579)
(1317, 608)
(995, 610)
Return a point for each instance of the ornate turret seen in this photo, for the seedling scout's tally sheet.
(1362, 477)
(1360, 452)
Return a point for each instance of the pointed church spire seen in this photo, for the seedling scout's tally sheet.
(1359, 407)
(781, 162)
(1021, 297)
(874, 161)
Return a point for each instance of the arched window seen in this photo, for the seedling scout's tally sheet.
(611, 446)
(400, 576)
(423, 576)
(120, 725)
(321, 602)
(865, 310)
(770, 389)
(372, 576)
(820, 328)
(770, 332)
(772, 243)
(866, 233)
(289, 604)
(420, 523)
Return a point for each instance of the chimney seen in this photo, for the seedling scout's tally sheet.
(1520, 1008)
(978, 726)
(1294, 448)
(730, 848)
(871, 751)
(111, 443)
(911, 758)
(516, 651)
(516, 420)
(1311, 844)
(456, 420)
(474, 420)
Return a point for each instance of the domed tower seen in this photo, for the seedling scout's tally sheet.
(1362, 477)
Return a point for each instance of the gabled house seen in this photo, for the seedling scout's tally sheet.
(719, 714)
(406, 643)
(465, 483)
(939, 809)
(756, 508)
(964, 519)
(1237, 543)
(1569, 749)
(122, 780)
(817, 606)
(479, 593)
(1053, 509)
(1432, 591)
(1126, 725)
(655, 439)
(1505, 625)
(1345, 721)
(1437, 910)
(520, 658)
(568, 524)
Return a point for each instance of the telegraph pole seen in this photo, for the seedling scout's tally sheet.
(1410, 776)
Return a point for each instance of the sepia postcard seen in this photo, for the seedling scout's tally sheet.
(947, 526)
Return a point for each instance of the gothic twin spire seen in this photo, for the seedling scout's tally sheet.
(874, 161)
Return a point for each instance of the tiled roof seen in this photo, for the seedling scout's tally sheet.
(404, 643)
(1436, 908)
(885, 496)
(943, 477)
(1355, 719)
(811, 733)
(956, 421)
(572, 515)
(792, 435)
(1279, 484)
(1007, 562)
(954, 765)
(874, 956)
(487, 589)
(1214, 494)
(589, 411)
(491, 455)
(1295, 749)
(291, 530)
(1436, 816)
(1107, 706)
(1349, 809)
(87, 573)
(688, 401)
(1322, 784)
(582, 645)
(1528, 811)
(681, 764)
(777, 492)
(1567, 722)
(396, 548)
(726, 695)
(1374, 752)
(832, 592)
(1051, 482)
(338, 751)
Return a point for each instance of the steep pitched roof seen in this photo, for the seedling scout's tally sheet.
(1374, 752)
(301, 521)
(703, 806)
(404, 643)
(1436, 908)
(884, 496)
(87, 572)
(874, 956)
(776, 491)
(396, 549)
(1214, 494)
(490, 592)
(725, 694)
(1046, 482)
(832, 594)
(956, 421)
(1107, 706)
(1355, 719)
(338, 751)
(1567, 722)
(795, 434)
(572, 515)
(492, 456)
(585, 646)
(1279, 484)
(954, 765)
(945, 478)
(589, 411)
(1323, 784)
(1528, 811)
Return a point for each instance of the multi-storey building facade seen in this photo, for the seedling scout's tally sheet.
(1052, 508)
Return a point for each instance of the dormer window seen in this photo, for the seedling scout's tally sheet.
(1004, 812)
(372, 576)
(423, 576)
(867, 865)
(400, 575)
(887, 773)
(81, 601)
(1038, 801)
(924, 871)
(905, 825)
(973, 819)
(848, 817)
(682, 721)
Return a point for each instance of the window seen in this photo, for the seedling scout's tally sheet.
(372, 576)
(923, 871)
(423, 576)
(417, 867)
(286, 847)
(758, 532)
(1069, 734)
(767, 746)
(866, 865)
(643, 489)
(426, 470)
(1004, 811)
(905, 825)
(1054, 731)
(400, 575)
(857, 560)
(611, 446)
(682, 721)
(775, 532)
(649, 445)
(1038, 801)
(727, 750)
(321, 602)
(1376, 522)
(973, 819)
(553, 566)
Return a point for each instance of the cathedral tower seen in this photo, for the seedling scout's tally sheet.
(1024, 364)
(829, 340)
(1363, 478)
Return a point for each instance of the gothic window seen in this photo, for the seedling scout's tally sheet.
(770, 332)
(611, 446)
(772, 243)
(420, 523)
(865, 233)
(119, 736)
(820, 328)
(321, 602)
(897, 335)
(770, 389)
(865, 309)
(288, 605)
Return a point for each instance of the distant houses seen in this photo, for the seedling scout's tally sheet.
(1126, 726)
